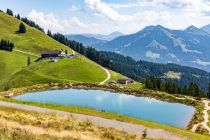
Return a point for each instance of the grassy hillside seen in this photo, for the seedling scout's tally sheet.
(33, 40)
(15, 73)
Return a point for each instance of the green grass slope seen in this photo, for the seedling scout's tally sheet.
(15, 73)
(33, 40)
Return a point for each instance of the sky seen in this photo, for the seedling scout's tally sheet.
(107, 16)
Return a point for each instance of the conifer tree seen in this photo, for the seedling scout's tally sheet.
(22, 28)
(18, 16)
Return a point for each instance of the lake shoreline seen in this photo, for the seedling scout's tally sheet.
(174, 114)
(138, 93)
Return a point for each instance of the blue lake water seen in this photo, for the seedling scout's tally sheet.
(150, 109)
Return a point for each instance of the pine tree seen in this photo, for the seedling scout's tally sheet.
(49, 33)
(18, 17)
(22, 28)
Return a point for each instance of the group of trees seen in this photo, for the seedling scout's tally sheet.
(6, 45)
(31, 23)
(157, 84)
(9, 12)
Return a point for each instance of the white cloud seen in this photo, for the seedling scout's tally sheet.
(45, 20)
(127, 18)
(75, 8)
(200, 62)
(152, 55)
(194, 5)
(175, 14)
(73, 25)
(74, 22)
(102, 8)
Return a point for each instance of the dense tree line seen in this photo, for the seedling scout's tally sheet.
(6, 45)
(157, 84)
(31, 23)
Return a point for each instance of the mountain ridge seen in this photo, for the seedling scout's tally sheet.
(93, 40)
(187, 47)
(206, 28)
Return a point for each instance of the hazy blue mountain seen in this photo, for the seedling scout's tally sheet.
(92, 40)
(190, 47)
(206, 28)
(87, 41)
(105, 37)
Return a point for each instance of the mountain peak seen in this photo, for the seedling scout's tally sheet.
(116, 33)
(153, 27)
(195, 30)
(191, 28)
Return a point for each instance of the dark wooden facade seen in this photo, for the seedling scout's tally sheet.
(50, 54)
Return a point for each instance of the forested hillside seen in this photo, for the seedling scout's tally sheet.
(139, 70)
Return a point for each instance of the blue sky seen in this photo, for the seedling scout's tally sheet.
(106, 16)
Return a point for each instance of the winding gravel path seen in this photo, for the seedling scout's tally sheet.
(25, 52)
(206, 117)
(108, 76)
(108, 123)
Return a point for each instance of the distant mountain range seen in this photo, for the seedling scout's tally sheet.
(189, 47)
(108, 37)
(92, 40)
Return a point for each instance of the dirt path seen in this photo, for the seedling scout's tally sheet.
(73, 52)
(127, 127)
(206, 117)
(107, 78)
(25, 52)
